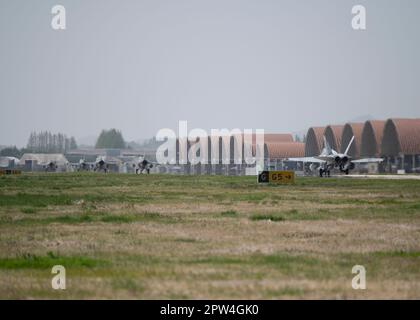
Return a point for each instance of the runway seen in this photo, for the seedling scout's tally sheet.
(384, 176)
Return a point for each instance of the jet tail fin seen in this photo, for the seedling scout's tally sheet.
(327, 147)
(348, 147)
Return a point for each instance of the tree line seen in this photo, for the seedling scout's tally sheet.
(47, 142)
(112, 139)
(42, 142)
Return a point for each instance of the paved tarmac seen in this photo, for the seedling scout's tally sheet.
(384, 176)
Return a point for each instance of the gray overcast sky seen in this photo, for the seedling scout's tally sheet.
(143, 65)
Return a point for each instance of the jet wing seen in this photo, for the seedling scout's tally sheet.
(152, 162)
(368, 160)
(306, 159)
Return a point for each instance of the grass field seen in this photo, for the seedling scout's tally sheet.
(176, 237)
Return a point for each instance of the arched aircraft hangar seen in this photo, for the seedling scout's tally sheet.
(372, 138)
(401, 144)
(395, 140)
(314, 141)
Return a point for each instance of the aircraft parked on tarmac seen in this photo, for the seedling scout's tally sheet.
(330, 159)
(84, 166)
(101, 165)
(144, 164)
(51, 167)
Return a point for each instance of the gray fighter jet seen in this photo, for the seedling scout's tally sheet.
(330, 159)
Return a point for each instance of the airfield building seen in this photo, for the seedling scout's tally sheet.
(314, 141)
(400, 145)
(8, 162)
(372, 138)
(43, 162)
(276, 155)
(223, 150)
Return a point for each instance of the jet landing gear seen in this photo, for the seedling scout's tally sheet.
(324, 171)
(140, 171)
(346, 169)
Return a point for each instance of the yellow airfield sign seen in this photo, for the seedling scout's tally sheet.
(281, 176)
(277, 177)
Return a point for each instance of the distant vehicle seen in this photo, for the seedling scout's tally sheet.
(330, 159)
(144, 165)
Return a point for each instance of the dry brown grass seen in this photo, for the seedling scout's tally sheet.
(197, 238)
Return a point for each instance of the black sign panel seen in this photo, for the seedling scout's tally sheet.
(263, 177)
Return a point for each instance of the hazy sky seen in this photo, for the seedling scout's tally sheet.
(143, 65)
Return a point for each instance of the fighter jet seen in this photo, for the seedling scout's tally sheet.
(101, 165)
(51, 167)
(144, 164)
(330, 159)
(84, 166)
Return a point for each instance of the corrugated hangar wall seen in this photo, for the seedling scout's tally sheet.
(372, 138)
(400, 145)
(314, 141)
(401, 136)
